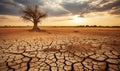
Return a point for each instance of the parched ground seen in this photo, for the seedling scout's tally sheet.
(60, 49)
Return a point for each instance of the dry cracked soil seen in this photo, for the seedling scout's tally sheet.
(56, 50)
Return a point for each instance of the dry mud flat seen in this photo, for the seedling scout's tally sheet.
(58, 50)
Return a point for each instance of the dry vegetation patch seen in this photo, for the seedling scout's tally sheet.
(50, 50)
(80, 48)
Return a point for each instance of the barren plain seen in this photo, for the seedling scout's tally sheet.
(60, 49)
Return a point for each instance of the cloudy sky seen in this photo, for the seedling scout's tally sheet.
(63, 12)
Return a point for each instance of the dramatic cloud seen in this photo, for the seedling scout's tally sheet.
(54, 9)
(62, 7)
(30, 2)
(116, 11)
(13, 7)
(86, 7)
(77, 7)
(10, 7)
(113, 7)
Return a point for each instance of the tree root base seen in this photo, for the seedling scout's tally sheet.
(37, 30)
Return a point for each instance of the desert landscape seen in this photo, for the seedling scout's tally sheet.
(60, 49)
(59, 35)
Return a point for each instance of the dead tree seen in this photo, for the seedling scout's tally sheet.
(33, 14)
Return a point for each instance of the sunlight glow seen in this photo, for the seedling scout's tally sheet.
(77, 19)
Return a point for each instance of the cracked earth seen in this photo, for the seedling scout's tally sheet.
(60, 53)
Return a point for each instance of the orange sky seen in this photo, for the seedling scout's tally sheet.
(72, 20)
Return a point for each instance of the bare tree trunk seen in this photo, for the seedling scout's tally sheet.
(35, 27)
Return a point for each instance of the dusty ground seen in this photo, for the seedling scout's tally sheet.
(60, 49)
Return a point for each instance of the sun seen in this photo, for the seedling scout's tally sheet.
(77, 19)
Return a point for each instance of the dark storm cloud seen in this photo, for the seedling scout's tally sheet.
(87, 7)
(9, 7)
(112, 8)
(13, 7)
(30, 2)
(109, 6)
(77, 7)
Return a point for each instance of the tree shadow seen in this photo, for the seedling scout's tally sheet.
(50, 50)
(39, 31)
(76, 31)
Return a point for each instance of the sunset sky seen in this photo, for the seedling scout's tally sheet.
(63, 12)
